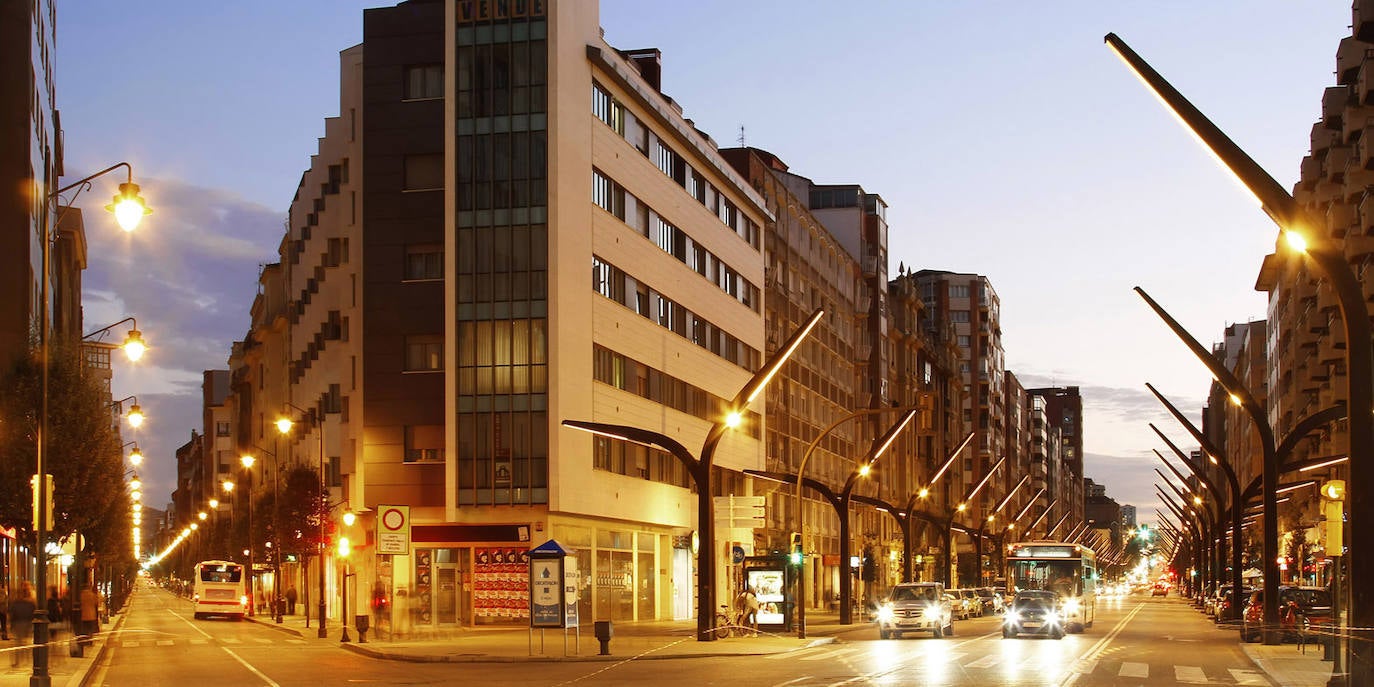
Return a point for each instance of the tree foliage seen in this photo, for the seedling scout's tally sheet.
(82, 453)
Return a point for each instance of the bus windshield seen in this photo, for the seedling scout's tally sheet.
(221, 572)
(1061, 576)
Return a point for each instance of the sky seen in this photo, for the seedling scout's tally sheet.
(1006, 139)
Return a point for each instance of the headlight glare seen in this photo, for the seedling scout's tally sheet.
(885, 613)
(1052, 618)
(1013, 617)
(932, 613)
(1072, 606)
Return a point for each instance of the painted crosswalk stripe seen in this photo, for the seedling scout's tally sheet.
(161, 642)
(1243, 676)
(826, 655)
(1190, 674)
(289, 641)
(129, 644)
(226, 640)
(1085, 667)
(1129, 669)
(198, 640)
(984, 662)
(259, 640)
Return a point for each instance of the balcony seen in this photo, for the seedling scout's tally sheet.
(1323, 137)
(1340, 219)
(1358, 246)
(1362, 20)
(1334, 101)
(1350, 54)
(1333, 168)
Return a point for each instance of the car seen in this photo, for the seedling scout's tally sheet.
(992, 600)
(1160, 589)
(957, 605)
(1033, 611)
(1222, 606)
(1299, 609)
(973, 603)
(916, 607)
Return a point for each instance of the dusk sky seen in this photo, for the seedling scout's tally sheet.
(1005, 137)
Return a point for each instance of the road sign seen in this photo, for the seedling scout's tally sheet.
(393, 530)
(739, 511)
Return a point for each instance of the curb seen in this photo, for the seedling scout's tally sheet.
(84, 676)
(589, 658)
(274, 626)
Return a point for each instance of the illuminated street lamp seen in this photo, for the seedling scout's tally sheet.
(700, 467)
(1301, 231)
(134, 346)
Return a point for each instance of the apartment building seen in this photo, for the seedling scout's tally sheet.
(1063, 412)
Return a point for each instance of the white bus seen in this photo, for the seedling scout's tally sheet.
(1062, 567)
(219, 590)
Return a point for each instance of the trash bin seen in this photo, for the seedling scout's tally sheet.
(604, 631)
(362, 623)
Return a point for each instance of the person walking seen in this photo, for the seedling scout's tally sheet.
(90, 614)
(749, 609)
(21, 611)
(291, 600)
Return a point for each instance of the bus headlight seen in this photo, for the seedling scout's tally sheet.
(885, 614)
(1072, 606)
(932, 613)
(243, 600)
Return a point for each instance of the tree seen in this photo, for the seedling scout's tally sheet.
(82, 452)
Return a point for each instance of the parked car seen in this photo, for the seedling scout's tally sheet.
(992, 600)
(957, 605)
(916, 607)
(1299, 609)
(1033, 611)
(973, 603)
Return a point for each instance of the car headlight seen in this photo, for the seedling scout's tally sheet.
(1013, 617)
(885, 613)
(1052, 618)
(1072, 606)
(932, 613)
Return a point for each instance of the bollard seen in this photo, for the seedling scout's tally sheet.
(604, 632)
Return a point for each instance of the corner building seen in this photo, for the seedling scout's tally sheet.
(544, 237)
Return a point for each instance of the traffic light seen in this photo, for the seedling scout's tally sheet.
(796, 554)
(1333, 507)
(33, 486)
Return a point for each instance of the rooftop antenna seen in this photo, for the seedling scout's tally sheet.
(741, 135)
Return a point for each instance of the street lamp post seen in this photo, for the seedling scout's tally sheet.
(129, 209)
(1301, 230)
(284, 425)
(247, 462)
(700, 468)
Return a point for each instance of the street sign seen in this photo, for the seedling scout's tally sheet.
(393, 530)
(739, 511)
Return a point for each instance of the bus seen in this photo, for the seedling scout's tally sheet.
(219, 590)
(1065, 568)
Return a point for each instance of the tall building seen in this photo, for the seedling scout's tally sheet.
(432, 307)
(1064, 410)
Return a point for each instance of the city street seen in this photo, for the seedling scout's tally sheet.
(1136, 640)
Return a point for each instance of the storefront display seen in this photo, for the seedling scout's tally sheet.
(500, 583)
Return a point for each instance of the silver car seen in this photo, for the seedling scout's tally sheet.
(916, 607)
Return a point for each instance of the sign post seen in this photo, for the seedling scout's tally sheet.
(553, 593)
(393, 530)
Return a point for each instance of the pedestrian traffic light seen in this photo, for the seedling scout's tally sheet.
(796, 554)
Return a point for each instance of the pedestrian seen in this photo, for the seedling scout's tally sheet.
(5, 610)
(291, 600)
(380, 607)
(749, 609)
(90, 614)
(21, 611)
(403, 618)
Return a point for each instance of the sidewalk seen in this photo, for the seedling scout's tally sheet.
(1289, 665)
(645, 640)
(63, 670)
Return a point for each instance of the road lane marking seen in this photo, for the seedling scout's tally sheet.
(226, 640)
(127, 644)
(984, 662)
(827, 655)
(1129, 669)
(295, 641)
(1101, 645)
(199, 641)
(1190, 674)
(1085, 667)
(164, 642)
(1244, 676)
(226, 650)
(948, 653)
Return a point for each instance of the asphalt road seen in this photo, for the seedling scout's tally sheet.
(1135, 641)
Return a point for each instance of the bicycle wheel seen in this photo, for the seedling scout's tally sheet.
(722, 626)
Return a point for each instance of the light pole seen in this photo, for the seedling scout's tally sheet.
(1302, 232)
(274, 542)
(247, 462)
(345, 549)
(700, 468)
(284, 425)
(129, 209)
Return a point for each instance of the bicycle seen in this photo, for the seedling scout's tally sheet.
(730, 624)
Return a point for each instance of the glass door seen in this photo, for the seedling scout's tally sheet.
(446, 594)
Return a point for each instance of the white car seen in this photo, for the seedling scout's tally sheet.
(916, 607)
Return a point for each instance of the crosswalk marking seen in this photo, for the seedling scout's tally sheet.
(127, 644)
(1190, 674)
(1244, 676)
(1085, 667)
(827, 655)
(1129, 669)
(295, 641)
(161, 642)
(226, 640)
(198, 640)
(984, 662)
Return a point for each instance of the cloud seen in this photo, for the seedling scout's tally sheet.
(188, 275)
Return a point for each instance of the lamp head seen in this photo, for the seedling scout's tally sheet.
(961, 507)
(865, 469)
(284, 425)
(214, 503)
(247, 460)
(128, 207)
(349, 518)
(202, 515)
(733, 419)
(227, 485)
(1295, 240)
(134, 346)
(923, 493)
(136, 484)
(135, 456)
(135, 415)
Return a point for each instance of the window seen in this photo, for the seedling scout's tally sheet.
(424, 82)
(608, 195)
(424, 262)
(607, 109)
(958, 291)
(222, 429)
(424, 444)
(958, 316)
(424, 172)
(424, 353)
